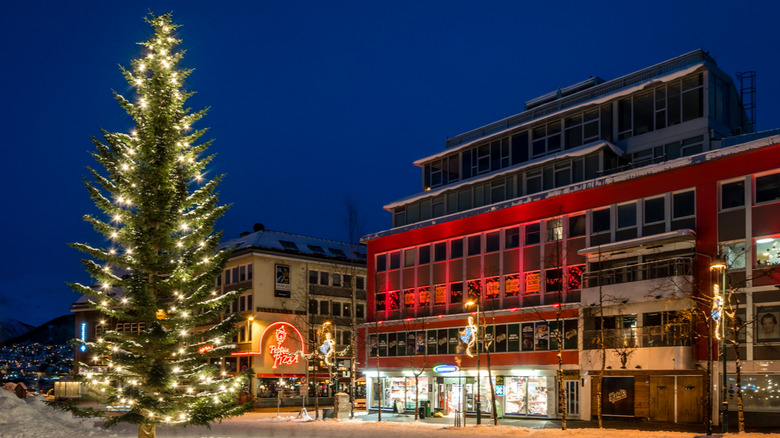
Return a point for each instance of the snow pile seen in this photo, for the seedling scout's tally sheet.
(32, 418)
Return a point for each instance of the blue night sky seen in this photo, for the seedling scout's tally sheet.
(311, 102)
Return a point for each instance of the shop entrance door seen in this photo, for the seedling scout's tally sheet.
(572, 397)
(689, 399)
(662, 398)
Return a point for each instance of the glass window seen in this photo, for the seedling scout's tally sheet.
(683, 204)
(242, 273)
(360, 282)
(654, 210)
(492, 241)
(313, 306)
(692, 98)
(314, 277)
(440, 251)
(626, 215)
(425, 254)
(533, 182)
(577, 225)
(767, 252)
(732, 194)
(359, 311)
(532, 234)
(408, 298)
(768, 188)
(511, 238)
(336, 308)
(324, 278)
(325, 307)
(380, 302)
(337, 279)
(601, 220)
(554, 280)
(475, 244)
(409, 257)
(395, 260)
(734, 255)
(381, 262)
(643, 113)
(456, 248)
(554, 229)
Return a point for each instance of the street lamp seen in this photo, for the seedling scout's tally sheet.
(719, 265)
(479, 376)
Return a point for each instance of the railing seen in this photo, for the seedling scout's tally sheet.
(670, 335)
(642, 271)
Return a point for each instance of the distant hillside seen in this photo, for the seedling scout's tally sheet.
(12, 328)
(55, 332)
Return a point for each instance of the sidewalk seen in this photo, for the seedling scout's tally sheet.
(752, 423)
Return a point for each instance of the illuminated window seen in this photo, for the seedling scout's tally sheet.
(767, 252)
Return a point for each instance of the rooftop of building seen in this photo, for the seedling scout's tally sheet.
(582, 92)
(296, 244)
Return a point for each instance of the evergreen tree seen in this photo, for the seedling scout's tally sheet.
(159, 265)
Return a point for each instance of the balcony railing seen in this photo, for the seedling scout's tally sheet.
(670, 335)
(642, 271)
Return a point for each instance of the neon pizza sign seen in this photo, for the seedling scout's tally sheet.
(279, 351)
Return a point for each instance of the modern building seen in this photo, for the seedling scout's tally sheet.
(296, 290)
(589, 220)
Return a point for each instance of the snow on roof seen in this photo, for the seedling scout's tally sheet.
(596, 101)
(574, 152)
(290, 243)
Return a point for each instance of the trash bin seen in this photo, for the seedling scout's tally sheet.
(421, 412)
(427, 405)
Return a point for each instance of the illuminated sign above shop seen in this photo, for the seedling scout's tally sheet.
(446, 369)
(281, 354)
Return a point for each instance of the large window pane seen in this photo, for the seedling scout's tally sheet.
(654, 210)
(683, 204)
(601, 222)
(626, 215)
(732, 194)
(768, 188)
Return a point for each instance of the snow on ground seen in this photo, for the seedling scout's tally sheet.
(31, 418)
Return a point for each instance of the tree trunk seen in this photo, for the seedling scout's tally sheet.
(601, 377)
(740, 404)
(146, 431)
(316, 394)
(416, 397)
(492, 390)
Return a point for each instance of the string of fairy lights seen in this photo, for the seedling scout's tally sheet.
(157, 83)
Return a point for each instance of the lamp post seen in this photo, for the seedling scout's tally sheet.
(719, 266)
(479, 376)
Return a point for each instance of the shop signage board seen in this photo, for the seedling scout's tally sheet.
(618, 396)
(282, 283)
(445, 369)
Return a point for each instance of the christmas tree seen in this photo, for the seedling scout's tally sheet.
(161, 260)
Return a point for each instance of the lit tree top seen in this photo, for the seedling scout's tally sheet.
(159, 262)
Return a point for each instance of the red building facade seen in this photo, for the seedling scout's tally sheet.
(595, 214)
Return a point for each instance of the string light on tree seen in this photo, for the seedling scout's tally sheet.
(165, 198)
